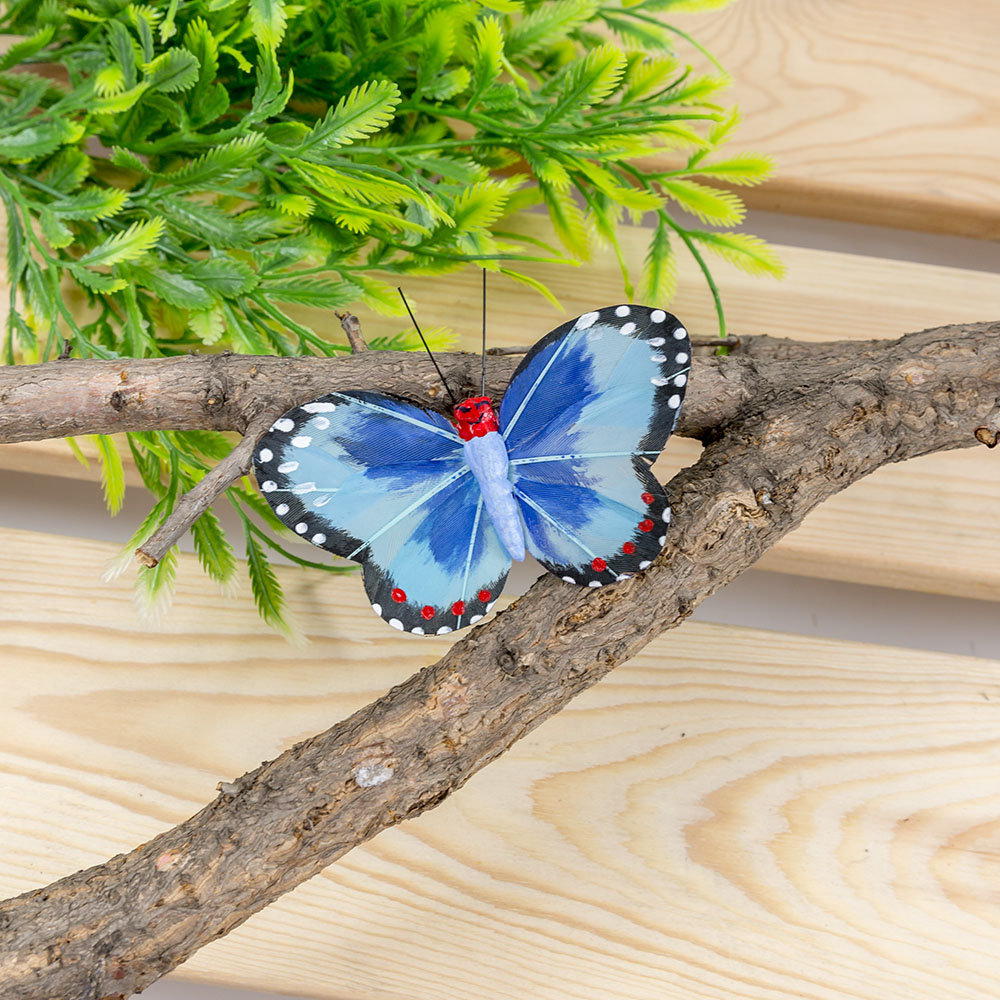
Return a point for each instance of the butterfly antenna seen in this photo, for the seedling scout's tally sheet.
(483, 393)
(426, 348)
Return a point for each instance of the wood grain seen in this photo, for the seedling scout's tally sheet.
(885, 113)
(917, 526)
(735, 813)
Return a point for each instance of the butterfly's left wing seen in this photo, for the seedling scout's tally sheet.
(381, 481)
(586, 413)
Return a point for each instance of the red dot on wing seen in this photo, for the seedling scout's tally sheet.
(628, 548)
(599, 564)
(399, 595)
(458, 608)
(427, 613)
(484, 595)
(646, 525)
(647, 498)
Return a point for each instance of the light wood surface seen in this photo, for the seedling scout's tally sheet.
(733, 814)
(883, 112)
(917, 526)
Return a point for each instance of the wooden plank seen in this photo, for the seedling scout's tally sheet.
(913, 526)
(54, 458)
(735, 813)
(885, 113)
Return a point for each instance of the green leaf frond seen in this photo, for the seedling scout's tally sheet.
(748, 253)
(368, 108)
(708, 204)
(204, 171)
(112, 472)
(268, 20)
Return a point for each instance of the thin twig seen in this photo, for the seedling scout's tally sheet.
(200, 497)
(352, 327)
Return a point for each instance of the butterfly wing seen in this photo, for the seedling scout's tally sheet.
(383, 482)
(587, 412)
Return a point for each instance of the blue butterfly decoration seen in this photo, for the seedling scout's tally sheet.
(435, 511)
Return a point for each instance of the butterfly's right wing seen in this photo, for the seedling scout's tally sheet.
(383, 482)
(585, 415)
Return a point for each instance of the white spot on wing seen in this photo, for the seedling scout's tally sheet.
(284, 424)
(666, 514)
(674, 402)
(302, 441)
(569, 579)
(681, 380)
(417, 631)
(302, 527)
(268, 487)
(586, 321)
(377, 608)
(281, 510)
(320, 423)
(627, 329)
(396, 623)
(656, 341)
(288, 466)
(475, 618)
(622, 311)
(318, 407)
(680, 333)
(302, 487)
(657, 359)
(265, 455)
(322, 501)
(319, 538)
(656, 380)
(657, 315)
(680, 357)
(443, 630)
(645, 563)
(595, 583)
(663, 539)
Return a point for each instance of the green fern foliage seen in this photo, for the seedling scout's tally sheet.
(201, 170)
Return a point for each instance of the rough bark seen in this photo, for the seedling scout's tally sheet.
(227, 392)
(788, 435)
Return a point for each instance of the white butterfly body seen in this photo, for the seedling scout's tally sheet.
(487, 458)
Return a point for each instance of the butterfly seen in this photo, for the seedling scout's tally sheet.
(435, 510)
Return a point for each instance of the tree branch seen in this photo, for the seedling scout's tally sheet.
(352, 327)
(226, 392)
(792, 434)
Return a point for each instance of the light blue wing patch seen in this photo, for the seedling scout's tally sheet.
(595, 521)
(383, 482)
(587, 411)
(441, 567)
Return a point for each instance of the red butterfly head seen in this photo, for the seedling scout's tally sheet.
(475, 417)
